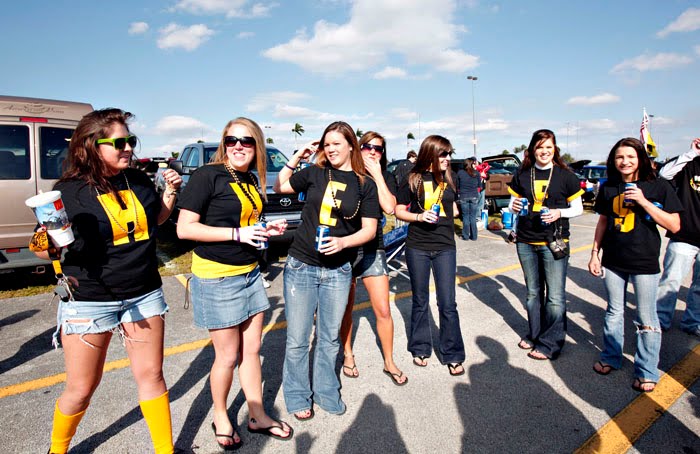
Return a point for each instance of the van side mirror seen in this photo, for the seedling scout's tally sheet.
(176, 166)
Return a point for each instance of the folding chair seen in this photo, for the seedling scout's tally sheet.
(394, 245)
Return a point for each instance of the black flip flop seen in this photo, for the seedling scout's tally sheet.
(422, 359)
(299, 418)
(637, 385)
(453, 367)
(524, 342)
(231, 447)
(533, 355)
(395, 378)
(605, 369)
(267, 431)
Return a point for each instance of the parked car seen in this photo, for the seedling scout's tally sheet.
(34, 135)
(503, 166)
(592, 177)
(150, 165)
(279, 206)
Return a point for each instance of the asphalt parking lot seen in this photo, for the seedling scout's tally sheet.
(505, 402)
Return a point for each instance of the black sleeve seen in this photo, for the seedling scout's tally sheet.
(370, 208)
(600, 206)
(300, 180)
(390, 180)
(404, 195)
(197, 194)
(515, 185)
(671, 202)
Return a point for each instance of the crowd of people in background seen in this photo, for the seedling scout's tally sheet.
(112, 263)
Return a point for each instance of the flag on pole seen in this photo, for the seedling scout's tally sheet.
(645, 137)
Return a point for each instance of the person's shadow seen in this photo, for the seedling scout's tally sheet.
(507, 409)
(377, 419)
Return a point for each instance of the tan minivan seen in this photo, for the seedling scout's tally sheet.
(34, 135)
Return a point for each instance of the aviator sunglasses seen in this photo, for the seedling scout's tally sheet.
(246, 141)
(120, 142)
(369, 146)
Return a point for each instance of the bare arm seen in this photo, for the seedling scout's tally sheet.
(387, 200)
(173, 181)
(366, 233)
(282, 185)
(189, 227)
(403, 214)
(594, 266)
(669, 221)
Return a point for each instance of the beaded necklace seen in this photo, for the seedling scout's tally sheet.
(256, 213)
(532, 185)
(420, 186)
(133, 204)
(335, 202)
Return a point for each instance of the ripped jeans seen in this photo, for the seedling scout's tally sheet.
(646, 357)
(93, 317)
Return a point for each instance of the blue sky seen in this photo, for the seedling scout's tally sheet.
(185, 67)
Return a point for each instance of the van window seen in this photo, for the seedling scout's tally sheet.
(53, 143)
(209, 153)
(14, 152)
(275, 160)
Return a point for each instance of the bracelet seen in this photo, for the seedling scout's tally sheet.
(233, 234)
(417, 217)
(290, 167)
(594, 250)
(238, 234)
(168, 194)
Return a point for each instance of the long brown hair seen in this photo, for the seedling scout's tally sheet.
(645, 172)
(260, 161)
(356, 161)
(84, 161)
(370, 136)
(538, 137)
(429, 158)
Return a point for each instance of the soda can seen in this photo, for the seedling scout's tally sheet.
(302, 166)
(322, 234)
(627, 186)
(544, 211)
(262, 244)
(436, 209)
(523, 210)
(657, 205)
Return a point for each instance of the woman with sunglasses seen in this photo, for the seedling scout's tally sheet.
(340, 214)
(115, 212)
(427, 200)
(222, 209)
(628, 235)
(371, 266)
(553, 195)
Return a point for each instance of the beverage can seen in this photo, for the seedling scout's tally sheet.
(544, 211)
(523, 210)
(322, 234)
(263, 243)
(436, 209)
(656, 204)
(302, 195)
(627, 186)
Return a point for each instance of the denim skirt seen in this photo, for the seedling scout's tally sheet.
(227, 301)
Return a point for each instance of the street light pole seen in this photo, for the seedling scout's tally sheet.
(473, 78)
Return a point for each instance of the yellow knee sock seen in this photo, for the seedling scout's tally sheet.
(156, 412)
(63, 430)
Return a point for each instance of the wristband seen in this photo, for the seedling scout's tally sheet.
(238, 234)
(233, 234)
(289, 167)
(594, 250)
(417, 217)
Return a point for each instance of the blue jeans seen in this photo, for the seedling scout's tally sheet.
(443, 264)
(310, 290)
(481, 202)
(646, 358)
(677, 262)
(545, 279)
(469, 216)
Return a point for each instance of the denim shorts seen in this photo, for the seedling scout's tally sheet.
(102, 316)
(370, 264)
(223, 302)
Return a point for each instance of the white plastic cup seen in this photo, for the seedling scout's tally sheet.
(50, 212)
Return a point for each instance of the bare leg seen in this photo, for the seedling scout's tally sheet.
(349, 367)
(226, 344)
(84, 366)
(144, 345)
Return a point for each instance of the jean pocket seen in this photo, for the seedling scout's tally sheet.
(210, 280)
(295, 264)
(345, 268)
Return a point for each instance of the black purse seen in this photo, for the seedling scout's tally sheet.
(557, 245)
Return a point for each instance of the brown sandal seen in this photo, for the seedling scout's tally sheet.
(353, 372)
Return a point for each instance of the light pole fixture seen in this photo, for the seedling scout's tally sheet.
(473, 78)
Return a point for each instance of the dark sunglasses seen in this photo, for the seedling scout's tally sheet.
(445, 154)
(246, 141)
(120, 142)
(369, 146)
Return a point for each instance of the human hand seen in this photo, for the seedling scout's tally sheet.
(696, 145)
(332, 245)
(172, 179)
(635, 194)
(428, 216)
(552, 216)
(252, 234)
(517, 205)
(305, 152)
(277, 227)
(594, 266)
(374, 168)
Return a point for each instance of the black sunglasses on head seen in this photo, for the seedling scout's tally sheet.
(369, 146)
(246, 141)
(119, 142)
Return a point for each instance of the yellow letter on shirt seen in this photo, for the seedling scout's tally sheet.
(325, 215)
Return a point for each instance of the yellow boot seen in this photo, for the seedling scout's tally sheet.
(64, 428)
(156, 412)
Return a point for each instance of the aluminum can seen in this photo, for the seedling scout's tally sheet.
(302, 195)
(627, 186)
(262, 244)
(657, 205)
(322, 234)
(543, 211)
(523, 210)
(436, 209)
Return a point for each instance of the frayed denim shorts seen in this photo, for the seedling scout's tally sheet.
(370, 264)
(223, 302)
(94, 317)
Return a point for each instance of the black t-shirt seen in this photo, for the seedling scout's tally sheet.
(110, 261)
(377, 242)
(687, 184)
(424, 235)
(320, 209)
(564, 187)
(212, 193)
(631, 244)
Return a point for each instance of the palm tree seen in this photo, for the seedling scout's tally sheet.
(359, 133)
(298, 130)
(270, 141)
(409, 136)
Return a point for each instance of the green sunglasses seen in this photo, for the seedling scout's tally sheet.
(120, 142)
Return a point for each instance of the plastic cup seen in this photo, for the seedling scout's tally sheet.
(50, 212)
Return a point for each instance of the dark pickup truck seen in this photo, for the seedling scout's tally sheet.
(503, 166)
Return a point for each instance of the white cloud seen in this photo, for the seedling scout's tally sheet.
(188, 38)
(268, 101)
(138, 28)
(688, 21)
(602, 124)
(367, 40)
(180, 126)
(390, 72)
(229, 8)
(697, 50)
(603, 98)
(648, 62)
(245, 35)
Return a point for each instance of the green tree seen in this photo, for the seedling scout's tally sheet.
(174, 154)
(270, 141)
(517, 150)
(505, 152)
(359, 133)
(298, 130)
(409, 136)
(567, 158)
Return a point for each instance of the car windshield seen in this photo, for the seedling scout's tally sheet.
(506, 167)
(595, 172)
(275, 160)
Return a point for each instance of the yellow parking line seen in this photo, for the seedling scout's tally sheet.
(620, 433)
